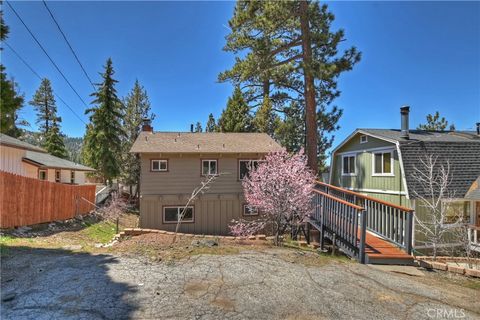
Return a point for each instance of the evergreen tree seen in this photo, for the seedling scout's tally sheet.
(236, 117)
(103, 140)
(10, 100)
(435, 123)
(137, 108)
(44, 103)
(211, 124)
(291, 132)
(198, 127)
(266, 120)
(54, 143)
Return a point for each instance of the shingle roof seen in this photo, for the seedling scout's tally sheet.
(49, 161)
(208, 142)
(422, 135)
(463, 158)
(10, 141)
(474, 191)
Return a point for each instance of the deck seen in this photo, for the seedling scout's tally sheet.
(379, 251)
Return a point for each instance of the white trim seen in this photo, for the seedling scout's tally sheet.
(393, 192)
(362, 132)
(387, 148)
(254, 211)
(402, 170)
(210, 167)
(361, 139)
(159, 167)
(392, 162)
(179, 208)
(354, 173)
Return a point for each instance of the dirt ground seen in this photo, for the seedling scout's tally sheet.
(148, 277)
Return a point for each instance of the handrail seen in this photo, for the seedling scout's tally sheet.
(474, 227)
(360, 208)
(359, 195)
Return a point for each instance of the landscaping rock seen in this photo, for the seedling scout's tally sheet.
(456, 269)
(439, 266)
(72, 247)
(261, 237)
(472, 273)
(204, 243)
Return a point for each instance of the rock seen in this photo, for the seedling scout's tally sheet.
(204, 243)
(72, 247)
(9, 297)
(98, 245)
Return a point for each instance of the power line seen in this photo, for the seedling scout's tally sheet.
(39, 77)
(68, 43)
(44, 51)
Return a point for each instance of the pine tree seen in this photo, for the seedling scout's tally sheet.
(198, 127)
(211, 124)
(10, 100)
(103, 141)
(54, 143)
(291, 131)
(137, 108)
(236, 117)
(435, 123)
(44, 103)
(266, 120)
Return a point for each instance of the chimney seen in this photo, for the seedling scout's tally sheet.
(404, 111)
(478, 128)
(147, 125)
(191, 127)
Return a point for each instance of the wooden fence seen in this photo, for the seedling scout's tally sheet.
(26, 201)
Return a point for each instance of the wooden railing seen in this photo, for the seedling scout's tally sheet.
(343, 222)
(474, 237)
(387, 220)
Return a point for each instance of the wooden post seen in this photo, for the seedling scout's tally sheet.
(408, 232)
(334, 240)
(363, 236)
(307, 234)
(116, 229)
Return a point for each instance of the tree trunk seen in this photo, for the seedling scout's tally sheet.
(310, 105)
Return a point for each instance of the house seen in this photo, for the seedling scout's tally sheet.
(31, 161)
(174, 164)
(380, 163)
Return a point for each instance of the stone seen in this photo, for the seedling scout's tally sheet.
(439, 266)
(456, 269)
(302, 243)
(252, 238)
(204, 243)
(472, 273)
(261, 237)
(314, 245)
(72, 247)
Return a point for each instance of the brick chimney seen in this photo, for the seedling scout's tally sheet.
(147, 125)
(404, 113)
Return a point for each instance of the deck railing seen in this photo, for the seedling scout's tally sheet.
(474, 237)
(343, 222)
(387, 220)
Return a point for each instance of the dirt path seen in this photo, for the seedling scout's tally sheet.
(53, 284)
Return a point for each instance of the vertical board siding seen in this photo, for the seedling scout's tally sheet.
(26, 201)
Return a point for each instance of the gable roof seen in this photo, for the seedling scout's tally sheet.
(474, 191)
(49, 161)
(15, 143)
(206, 142)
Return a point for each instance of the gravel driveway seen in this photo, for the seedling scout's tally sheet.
(57, 284)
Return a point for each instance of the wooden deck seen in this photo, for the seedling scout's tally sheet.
(380, 251)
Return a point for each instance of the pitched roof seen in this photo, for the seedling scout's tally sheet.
(474, 191)
(49, 161)
(12, 142)
(207, 142)
(423, 135)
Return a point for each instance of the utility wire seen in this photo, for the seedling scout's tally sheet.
(44, 51)
(39, 77)
(68, 43)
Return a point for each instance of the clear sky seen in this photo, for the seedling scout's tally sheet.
(425, 54)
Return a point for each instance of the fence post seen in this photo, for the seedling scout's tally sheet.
(322, 224)
(363, 236)
(408, 232)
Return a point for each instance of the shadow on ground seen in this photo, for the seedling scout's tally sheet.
(60, 284)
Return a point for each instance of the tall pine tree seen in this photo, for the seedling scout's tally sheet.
(266, 120)
(198, 127)
(236, 116)
(137, 108)
(54, 143)
(103, 140)
(291, 131)
(435, 123)
(211, 124)
(44, 104)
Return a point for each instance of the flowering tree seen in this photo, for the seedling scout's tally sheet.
(281, 188)
(244, 228)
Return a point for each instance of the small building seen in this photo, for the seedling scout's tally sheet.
(27, 160)
(381, 162)
(174, 164)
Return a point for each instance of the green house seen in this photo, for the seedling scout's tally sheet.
(382, 163)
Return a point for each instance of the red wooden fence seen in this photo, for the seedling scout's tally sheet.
(26, 201)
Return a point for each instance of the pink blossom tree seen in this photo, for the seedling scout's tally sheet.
(281, 188)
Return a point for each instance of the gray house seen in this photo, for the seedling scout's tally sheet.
(173, 164)
(381, 162)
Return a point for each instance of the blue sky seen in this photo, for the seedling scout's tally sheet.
(425, 54)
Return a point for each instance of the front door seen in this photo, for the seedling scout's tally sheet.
(478, 213)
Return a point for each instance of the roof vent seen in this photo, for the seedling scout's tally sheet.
(404, 113)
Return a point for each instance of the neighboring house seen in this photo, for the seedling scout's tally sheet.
(380, 163)
(31, 161)
(174, 164)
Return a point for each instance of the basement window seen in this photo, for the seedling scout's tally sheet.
(171, 214)
(158, 165)
(348, 165)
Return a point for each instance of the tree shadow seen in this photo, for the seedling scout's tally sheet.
(57, 284)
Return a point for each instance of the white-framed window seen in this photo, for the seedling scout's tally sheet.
(244, 166)
(349, 165)
(456, 212)
(57, 175)
(72, 177)
(158, 165)
(383, 163)
(171, 214)
(42, 174)
(363, 139)
(249, 210)
(209, 167)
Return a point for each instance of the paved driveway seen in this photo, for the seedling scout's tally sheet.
(57, 284)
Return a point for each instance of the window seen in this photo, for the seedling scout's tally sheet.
(57, 175)
(457, 212)
(249, 211)
(363, 139)
(348, 165)
(244, 167)
(72, 177)
(209, 167)
(170, 214)
(159, 165)
(42, 174)
(383, 163)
